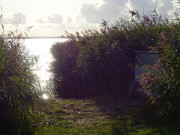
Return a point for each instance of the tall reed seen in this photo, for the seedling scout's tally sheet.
(18, 89)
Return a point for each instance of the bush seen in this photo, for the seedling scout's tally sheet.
(102, 60)
(65, 55)
(163, 79)
(18, 91)
(100, 63)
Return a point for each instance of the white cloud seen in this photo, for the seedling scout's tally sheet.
(69, 19)
(56, 18)
(111, 10)
(50, 19)
(17, 18)
(163, 7)
(41, 20)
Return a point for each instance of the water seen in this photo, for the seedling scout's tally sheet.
(40, 47)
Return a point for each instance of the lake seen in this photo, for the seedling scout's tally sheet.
(40, 47)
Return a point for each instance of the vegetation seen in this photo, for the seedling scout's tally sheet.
(163, 79)
(99, 117)
(100, 63)
(18, 89)
(95, 64)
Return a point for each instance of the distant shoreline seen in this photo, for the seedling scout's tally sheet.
(42, 37)
(35, 37)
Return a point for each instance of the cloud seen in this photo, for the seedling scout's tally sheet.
(17, 18)
(69, 19)
(41, 20)
(4, 21)
(111, 10)
(162, 6)
(56, 18)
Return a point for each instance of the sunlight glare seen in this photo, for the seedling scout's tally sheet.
(45, 96)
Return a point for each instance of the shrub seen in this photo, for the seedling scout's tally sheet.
(65, 55)
(102, 63)
(163, 79)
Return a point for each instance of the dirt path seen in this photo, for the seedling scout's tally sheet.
(86, 112)
(97, 117)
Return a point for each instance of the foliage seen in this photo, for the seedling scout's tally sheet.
(100, 63)
(163, 79)
(65, 60)
(18, 90)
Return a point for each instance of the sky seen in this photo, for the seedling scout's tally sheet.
(51, 18)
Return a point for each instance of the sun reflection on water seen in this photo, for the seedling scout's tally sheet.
(41, 49)
(45, 96)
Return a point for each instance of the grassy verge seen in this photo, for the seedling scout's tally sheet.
(96, 117)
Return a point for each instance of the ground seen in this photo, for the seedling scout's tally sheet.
(98, 117)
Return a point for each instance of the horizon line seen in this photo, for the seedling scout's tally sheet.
(35, 37)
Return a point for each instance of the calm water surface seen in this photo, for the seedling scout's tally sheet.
(40, 47)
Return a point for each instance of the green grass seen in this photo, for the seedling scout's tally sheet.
(96, 117)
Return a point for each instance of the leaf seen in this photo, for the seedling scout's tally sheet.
(19, 36)
(30, 27)
(26, 34)
(11, 33)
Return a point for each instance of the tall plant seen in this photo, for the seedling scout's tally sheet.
(18, 91)
(163, 79)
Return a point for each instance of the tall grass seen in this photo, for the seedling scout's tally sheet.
(163, 79)
(18, 89)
